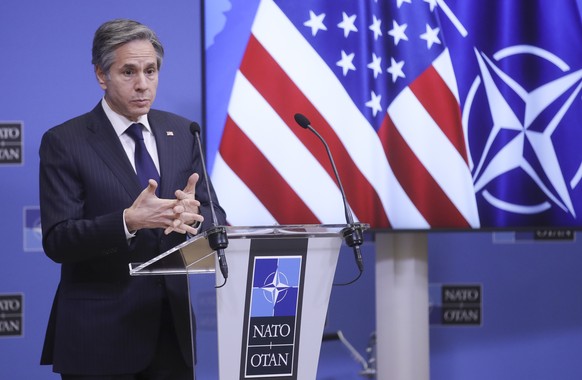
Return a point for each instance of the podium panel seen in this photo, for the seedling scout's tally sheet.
(271, 310)
(271, 316)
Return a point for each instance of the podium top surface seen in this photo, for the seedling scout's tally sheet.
(298, 230)
(196, 253)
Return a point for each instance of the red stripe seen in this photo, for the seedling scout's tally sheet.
(253, 168)
(436, 97)
(419, 185)
(286, 99)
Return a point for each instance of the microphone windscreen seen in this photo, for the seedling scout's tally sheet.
(194, 127)
(302, 120)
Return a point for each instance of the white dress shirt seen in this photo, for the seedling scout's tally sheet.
(120, 124)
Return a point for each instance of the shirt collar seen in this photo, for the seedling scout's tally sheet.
(121, 123)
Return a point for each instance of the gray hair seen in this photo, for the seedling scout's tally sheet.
(115, 33)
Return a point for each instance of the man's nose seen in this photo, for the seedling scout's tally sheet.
(140, 81)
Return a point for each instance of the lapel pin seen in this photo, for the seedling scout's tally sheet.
(169, 133)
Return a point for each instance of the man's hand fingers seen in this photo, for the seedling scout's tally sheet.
(152, 186)
(191, 185)
(180, 228)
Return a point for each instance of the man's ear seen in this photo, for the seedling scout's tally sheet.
(101, 77)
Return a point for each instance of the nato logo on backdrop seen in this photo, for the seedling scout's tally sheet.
(10, 143)
(455, 304)
(32, 239)
(11, 315)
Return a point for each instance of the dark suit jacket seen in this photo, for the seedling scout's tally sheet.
(102, 319)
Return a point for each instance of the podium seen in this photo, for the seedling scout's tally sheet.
(271, 311)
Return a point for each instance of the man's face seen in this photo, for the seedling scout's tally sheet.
(130, 88)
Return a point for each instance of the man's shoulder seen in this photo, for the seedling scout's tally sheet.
(156, 116)
(165, 123)
(73, 123)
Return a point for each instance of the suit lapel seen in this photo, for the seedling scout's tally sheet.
(166, 156)
(106, 144)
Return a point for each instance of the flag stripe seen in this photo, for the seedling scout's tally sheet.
(433, 93)
(237, 199)
(320, 86)
(420, 186)
(285, 97)
(262, 178)
(435, 152)
(285, 152)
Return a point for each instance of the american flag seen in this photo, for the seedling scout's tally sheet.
(399, 106)
(375, 79)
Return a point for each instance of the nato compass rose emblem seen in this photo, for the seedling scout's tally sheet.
(275, 287)
(523, 157)
(271, 334)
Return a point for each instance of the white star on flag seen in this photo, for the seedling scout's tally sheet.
(346, 63)
(432, 3)
(398, 32)
(315, 22)
(396, 69)
(376, 65)
(375, 27)
(431, 36)
(348, 24)
(374, 103)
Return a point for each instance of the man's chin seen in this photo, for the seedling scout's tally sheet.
(140, 111)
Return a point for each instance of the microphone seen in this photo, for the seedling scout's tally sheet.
(353, 232)
(217, 238)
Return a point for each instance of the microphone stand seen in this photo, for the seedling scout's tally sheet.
(217, 238)
(353, 233)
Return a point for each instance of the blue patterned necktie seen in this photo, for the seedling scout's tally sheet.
(144, 164)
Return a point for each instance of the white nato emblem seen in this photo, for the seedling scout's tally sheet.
(275, 287)
(494, 161)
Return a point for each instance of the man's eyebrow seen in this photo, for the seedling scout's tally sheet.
(133, 66)
(128, 66)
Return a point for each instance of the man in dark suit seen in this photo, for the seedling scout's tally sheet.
(97, 218)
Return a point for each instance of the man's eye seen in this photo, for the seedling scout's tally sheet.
(128, 72)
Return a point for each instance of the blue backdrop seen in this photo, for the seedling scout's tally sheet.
(531, 292)
(46, 78)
